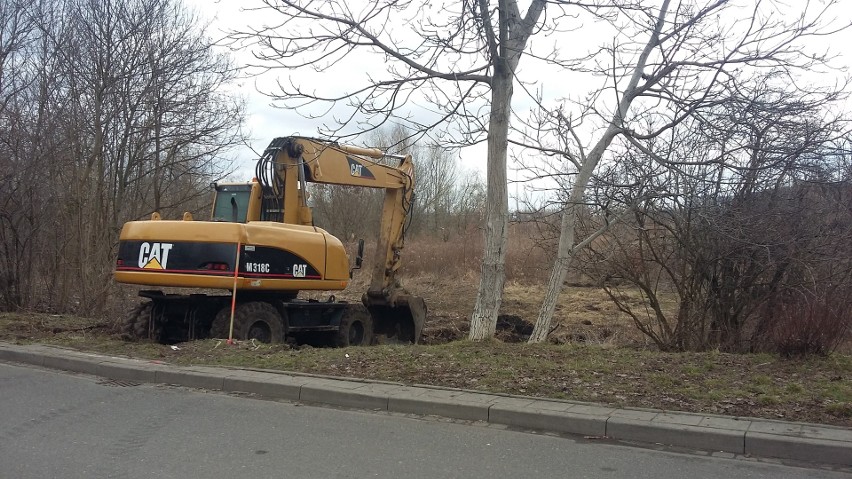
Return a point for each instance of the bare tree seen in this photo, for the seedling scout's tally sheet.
(443, 195)
(717, 247)
(118, 110)
(347, 212)
(20, 199)
(456, 63)
(437, 177)
(690, 61)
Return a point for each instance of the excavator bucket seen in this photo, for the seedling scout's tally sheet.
(400, 319)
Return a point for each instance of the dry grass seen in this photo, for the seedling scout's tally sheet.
(583, 314)
(460, 256)
(815, 389)
(593, 364)
(446, 275)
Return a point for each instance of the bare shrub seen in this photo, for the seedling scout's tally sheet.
(805, 323)
(767, 273)
(527, 259)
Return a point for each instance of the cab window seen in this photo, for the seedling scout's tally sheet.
(231, 203)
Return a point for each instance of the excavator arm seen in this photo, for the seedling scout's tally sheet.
(289, 163)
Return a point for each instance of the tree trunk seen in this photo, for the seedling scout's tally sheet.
(565, 251)
(569, 217)
(483, 323)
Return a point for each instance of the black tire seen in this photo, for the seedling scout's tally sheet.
(254, 320)
(356, 327)
(137, 325)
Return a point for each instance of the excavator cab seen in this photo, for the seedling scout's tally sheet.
(231, 202)
(244, 202)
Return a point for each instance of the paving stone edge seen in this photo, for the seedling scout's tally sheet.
(811, 443)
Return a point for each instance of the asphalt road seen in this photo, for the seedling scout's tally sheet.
(56, 425)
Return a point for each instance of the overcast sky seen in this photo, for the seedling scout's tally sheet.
(265, 122)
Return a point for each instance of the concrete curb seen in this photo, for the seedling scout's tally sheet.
(765, 438)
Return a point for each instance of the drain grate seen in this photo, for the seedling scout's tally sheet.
(118, 383)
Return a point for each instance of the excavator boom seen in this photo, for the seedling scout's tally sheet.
(299, 160)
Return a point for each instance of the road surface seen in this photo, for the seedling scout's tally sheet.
(56, 425)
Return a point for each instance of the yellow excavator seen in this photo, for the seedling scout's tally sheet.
(262, 246)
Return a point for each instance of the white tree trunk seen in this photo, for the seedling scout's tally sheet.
(568, 233)
(565, 252)
(483, 322)
(514, 32)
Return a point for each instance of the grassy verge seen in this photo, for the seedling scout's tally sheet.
(817, 389)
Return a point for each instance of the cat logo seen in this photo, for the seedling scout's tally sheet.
(300, 270)
(358, 170)
(154, 255)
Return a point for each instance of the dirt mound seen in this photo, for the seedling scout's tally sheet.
(512, 328)
(440, 329)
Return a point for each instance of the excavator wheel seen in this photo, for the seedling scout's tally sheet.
(254, 320)
(137, 325)
(356, 327)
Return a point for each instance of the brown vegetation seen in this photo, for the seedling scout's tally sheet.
(816, 389)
